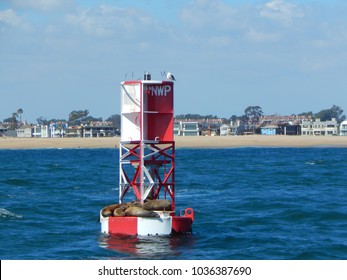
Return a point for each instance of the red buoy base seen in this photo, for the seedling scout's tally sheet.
(166, 224)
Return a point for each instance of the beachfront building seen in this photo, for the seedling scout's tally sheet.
(234, 125)
(319, 128)
(293, 119)
(2, 130)
(186, 128)
(98, 131)
(343, 128)
(224, 130)
(290, 129)
(177, 128)
(197, 126)
(190, 129)
(58, 130)
(41, 131)
(269, 130)
(74, 131)
(24, 131)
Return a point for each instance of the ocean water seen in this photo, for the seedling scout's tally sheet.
(249, 203)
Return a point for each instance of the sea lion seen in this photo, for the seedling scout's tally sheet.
(108, 210)
(118, 212)
(136, 211)
(157, 205)
(106, 213)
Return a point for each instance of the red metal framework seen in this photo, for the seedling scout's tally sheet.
(148, 169)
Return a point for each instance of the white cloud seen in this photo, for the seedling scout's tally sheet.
(257, 36)
(106, 20)
(204, 13)
(281, 11)
(42, 5)
(89, 23)
(10, 17)
(79, 49)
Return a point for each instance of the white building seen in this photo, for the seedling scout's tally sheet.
(41, 131)
(343, 128)
(24, 132)
(319, 128)
(186, 128)
(58, 129)
(224, 130)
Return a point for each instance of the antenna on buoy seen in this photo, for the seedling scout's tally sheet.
(163, 74)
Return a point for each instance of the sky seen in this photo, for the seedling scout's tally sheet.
(286, 56)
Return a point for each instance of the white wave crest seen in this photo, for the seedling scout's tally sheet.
(7, 214)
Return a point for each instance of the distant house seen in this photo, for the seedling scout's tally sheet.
(234, 125)
(209, 131)
(294, 119)
(73, 131)
(269, 130)
(11, 133)
(177, 128)
(98, 131)
(343, 128)
(289, 129)
(224, 130)
(2, 130)
(24, 131)
(190, 129)
(243, 130)
(186, 128)
(319, 128)
(41, 131)
(58, 129)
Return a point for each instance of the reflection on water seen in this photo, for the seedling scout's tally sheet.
(148, 247)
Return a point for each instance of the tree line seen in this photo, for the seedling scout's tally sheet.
(251, 117)
(76, 117)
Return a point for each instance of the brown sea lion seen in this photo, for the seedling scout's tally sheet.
(118, 212)
(108, 210)
(136, 211)
(157, 205)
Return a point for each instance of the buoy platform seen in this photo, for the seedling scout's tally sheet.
(165, 223)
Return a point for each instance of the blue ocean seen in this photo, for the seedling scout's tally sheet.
(249, 203)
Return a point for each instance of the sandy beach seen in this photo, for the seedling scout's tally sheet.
(181, 142)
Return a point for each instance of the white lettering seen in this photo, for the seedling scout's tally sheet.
(159, 90)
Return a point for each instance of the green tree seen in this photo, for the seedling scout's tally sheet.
(252, 115)
(14, 122)
(334, 112)
(57, 121)
(76, 117)
(115, 119)
(8, 120)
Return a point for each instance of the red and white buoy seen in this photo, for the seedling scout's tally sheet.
(146, 163)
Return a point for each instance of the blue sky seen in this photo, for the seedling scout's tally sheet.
(286, 56)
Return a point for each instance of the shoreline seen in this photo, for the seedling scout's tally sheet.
(181, 142)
